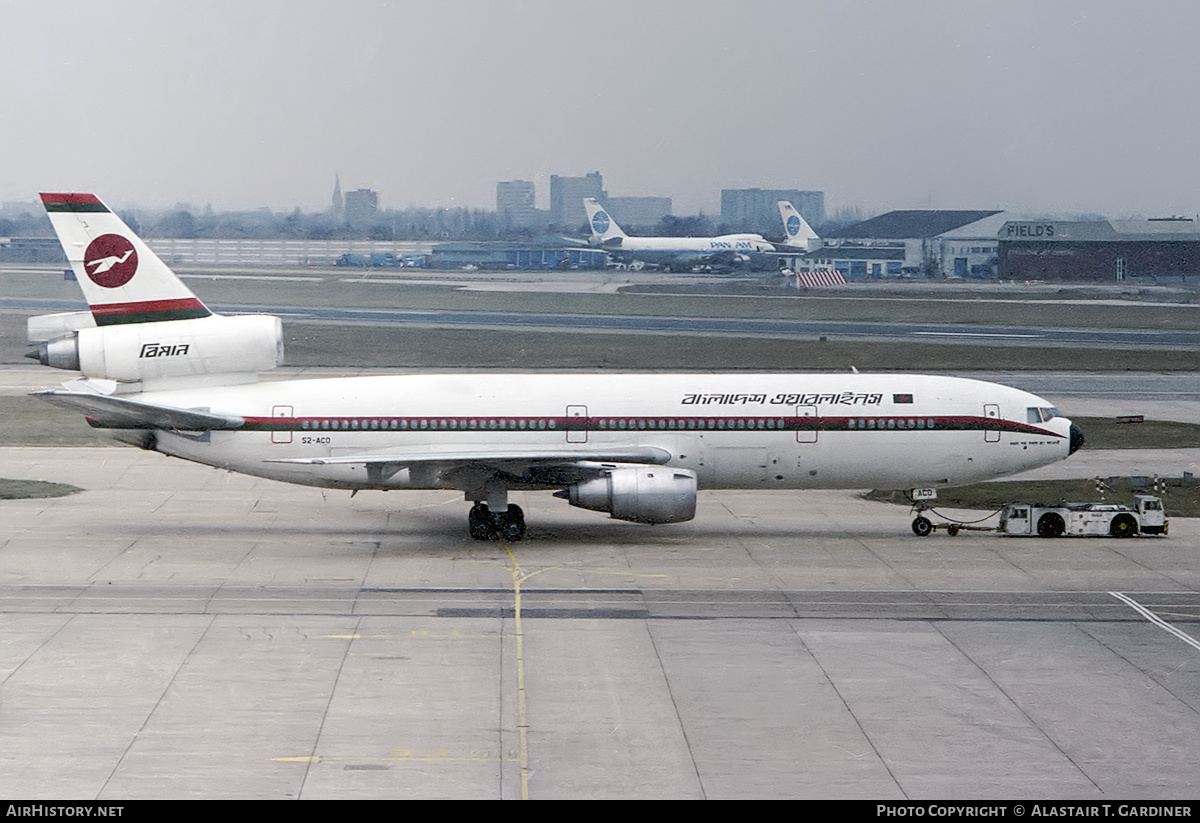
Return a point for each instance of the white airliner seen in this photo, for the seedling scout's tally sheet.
(165, 373)
(675, 253)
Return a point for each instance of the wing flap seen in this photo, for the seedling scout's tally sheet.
(107, 412)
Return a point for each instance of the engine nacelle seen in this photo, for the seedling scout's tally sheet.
(174, 348)
(641, 494)
(42, 328)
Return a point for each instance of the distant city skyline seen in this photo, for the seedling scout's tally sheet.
(1074, 107)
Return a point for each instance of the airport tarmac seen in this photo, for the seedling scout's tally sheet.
(178, 631)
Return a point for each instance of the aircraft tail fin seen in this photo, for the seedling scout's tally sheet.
(603, 227)
(122, 279)
(796, 230)
(145, 326)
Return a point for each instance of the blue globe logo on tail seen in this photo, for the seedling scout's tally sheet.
(793, 226)
(600, 222)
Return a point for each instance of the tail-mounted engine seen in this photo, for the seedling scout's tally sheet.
(150, 351)
(641, 494)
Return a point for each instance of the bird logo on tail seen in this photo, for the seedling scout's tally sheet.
(110, 261)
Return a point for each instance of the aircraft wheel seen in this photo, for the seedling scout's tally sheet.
(952, 530)
(1123, 525)
(513, 526)
(479, 523)
(922, 527)
(1051, 525)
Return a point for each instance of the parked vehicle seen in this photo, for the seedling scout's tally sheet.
(1147, 516)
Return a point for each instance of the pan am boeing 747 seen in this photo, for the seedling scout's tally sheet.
(674, 253)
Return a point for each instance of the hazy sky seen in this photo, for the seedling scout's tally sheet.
(1072, 106)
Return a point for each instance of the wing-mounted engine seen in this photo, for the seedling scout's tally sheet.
(141, 352)
(641, 494)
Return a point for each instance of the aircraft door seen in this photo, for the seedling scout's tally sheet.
(576, 424)
(281, 434)
(806, 432)
(992, 412)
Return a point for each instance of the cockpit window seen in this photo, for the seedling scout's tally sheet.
(1041, 415)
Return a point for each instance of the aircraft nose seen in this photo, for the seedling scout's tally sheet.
(1076, 439)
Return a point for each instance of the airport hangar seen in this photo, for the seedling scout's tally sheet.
(994, 244)
(1100, 251)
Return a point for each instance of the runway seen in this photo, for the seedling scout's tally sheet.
(178, 631)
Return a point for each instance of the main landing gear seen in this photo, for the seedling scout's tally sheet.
(484, 524)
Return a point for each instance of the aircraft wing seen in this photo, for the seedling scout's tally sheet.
(462, 469)
(107, 412)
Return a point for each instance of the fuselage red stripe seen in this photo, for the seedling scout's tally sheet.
(604, 424)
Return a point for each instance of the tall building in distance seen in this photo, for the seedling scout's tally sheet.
(361, 205)
(757, 210)
(516, 204)
(567, 195)
(337, 205)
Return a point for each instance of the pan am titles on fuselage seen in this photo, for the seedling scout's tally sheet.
(162, 371)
